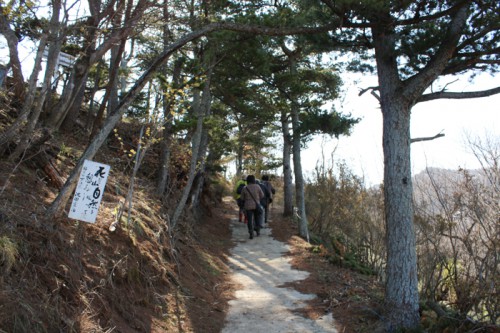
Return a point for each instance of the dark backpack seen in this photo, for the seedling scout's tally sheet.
(240, 188)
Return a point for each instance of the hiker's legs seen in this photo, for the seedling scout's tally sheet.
(240, 210)
(258, 221)
(251, 221)
(242, 217)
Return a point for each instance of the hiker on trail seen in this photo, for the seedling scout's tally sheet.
(264, 202)
(269, 198)
(251, 195)
(240, 185)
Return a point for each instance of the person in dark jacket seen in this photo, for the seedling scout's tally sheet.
(251, 195)
(269, 196)
(240, 185)
(264, 202)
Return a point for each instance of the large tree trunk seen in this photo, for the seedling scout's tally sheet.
(287, 166)
(401, 292)
(396, 100)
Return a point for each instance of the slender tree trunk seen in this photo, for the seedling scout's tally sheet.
(299, 180)
(92, 115)
(202, 153)
(73, 109)
(297, 163)
(12, 131)
(196, 142)
(59, 111)
(52, 61)
(164, 158)
(117, 51)
(15, 63)
(200, 139)
(130, 193)
(165, 153)
(3, 74)
(111, 95)
(287, 166)
(239, 150)
(65, 112)
(167, 131)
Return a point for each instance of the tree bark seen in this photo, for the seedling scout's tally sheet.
(167, 131)
(297, 163)
(202, 160)
(299, 179)
(287, 166)
(55, 35)
(111, 95)
(401, 292)
(240, 149)
(14, 62)
(199, 107)
(12, 131)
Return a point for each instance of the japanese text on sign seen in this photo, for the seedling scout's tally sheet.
(89, 191)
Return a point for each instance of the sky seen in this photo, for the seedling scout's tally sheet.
(456, 119)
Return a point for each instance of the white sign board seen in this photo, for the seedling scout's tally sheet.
(89, 191)
(65, 60)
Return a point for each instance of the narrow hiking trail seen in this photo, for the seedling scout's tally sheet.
(260, 268)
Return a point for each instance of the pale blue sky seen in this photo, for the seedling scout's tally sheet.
(455, 118)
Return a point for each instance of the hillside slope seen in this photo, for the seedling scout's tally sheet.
(69, 276)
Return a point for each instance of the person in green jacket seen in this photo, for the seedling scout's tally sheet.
(240, 185)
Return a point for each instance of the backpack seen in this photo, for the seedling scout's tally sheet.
(240, 188)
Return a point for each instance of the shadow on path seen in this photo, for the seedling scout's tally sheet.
(259, 267)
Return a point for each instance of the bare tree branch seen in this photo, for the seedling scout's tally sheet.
(439, 135)
(459, 95)
(374, 92)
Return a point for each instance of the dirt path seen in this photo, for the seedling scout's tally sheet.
(262, 304)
